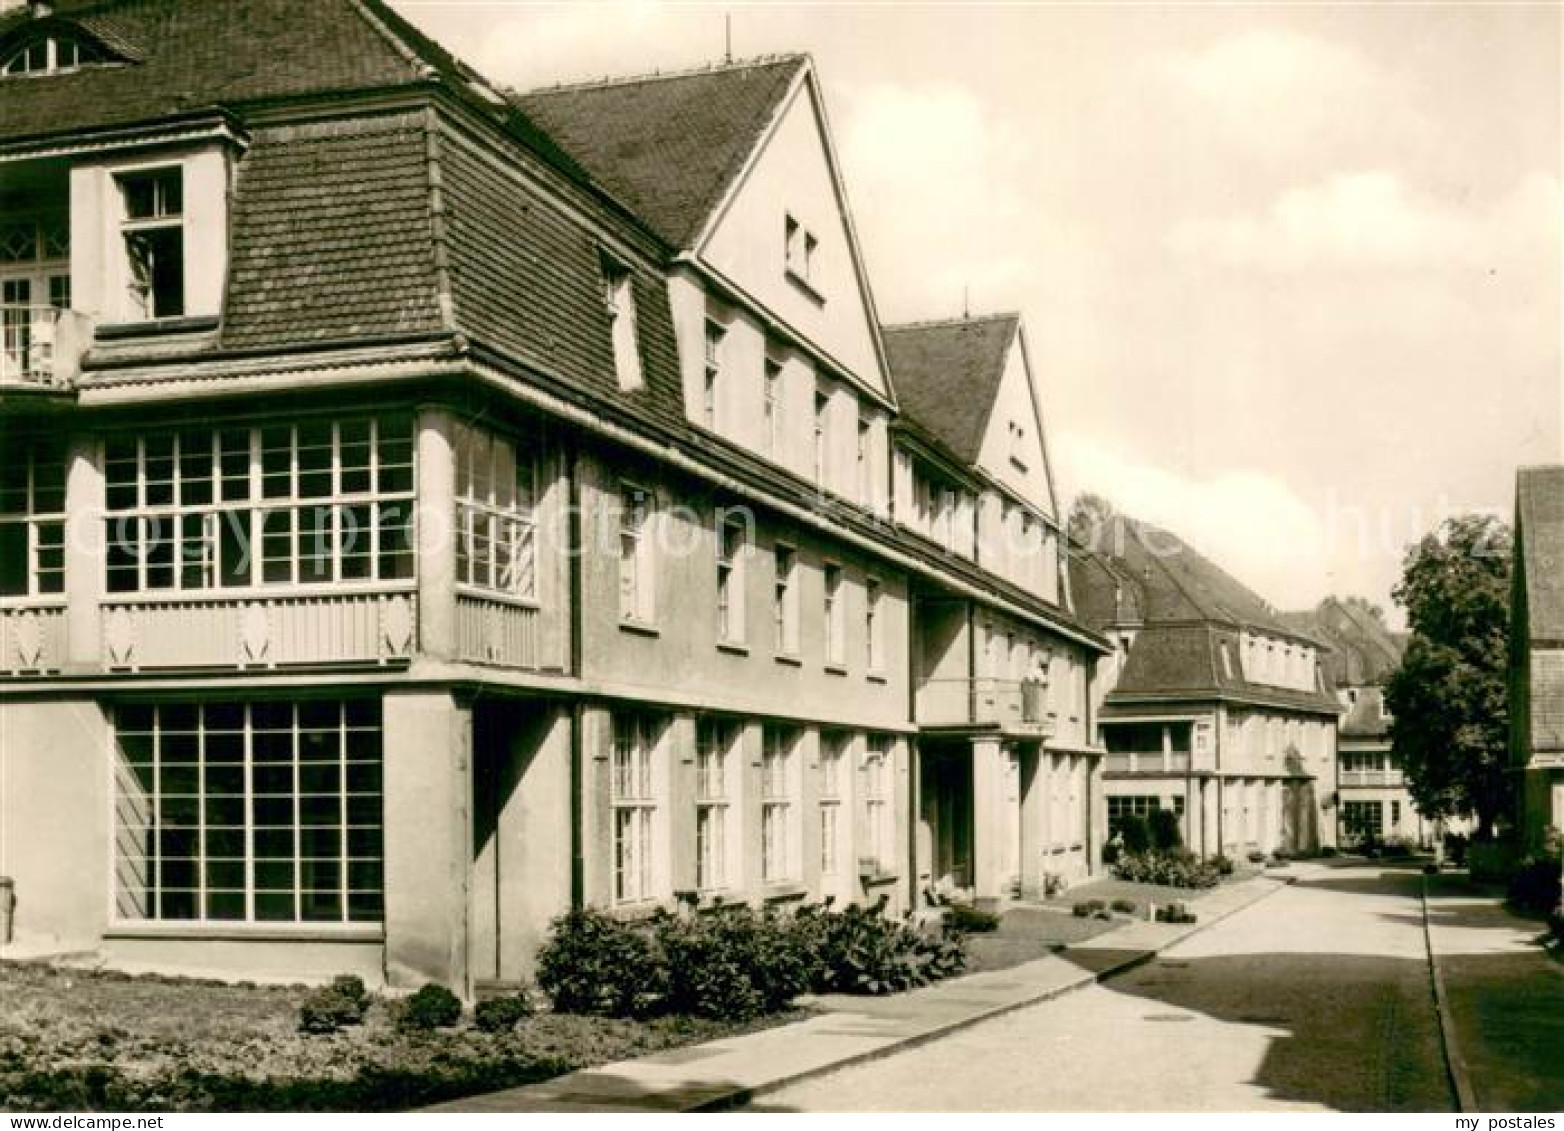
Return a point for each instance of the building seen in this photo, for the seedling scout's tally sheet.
(1212, 706)
(1373, 800)
(1010, 785)
(1537, 652)
(423, 509)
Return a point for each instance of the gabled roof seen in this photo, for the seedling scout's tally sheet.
(947, 375)
(186, 57)
(1539, 519)
(667, 146)
(1363, 650)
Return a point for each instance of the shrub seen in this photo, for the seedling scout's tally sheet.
(431, 1007)
(1430, 869)
(336, 1006)
(595, 964)
(1110, 851)
(1135, 835)
(1171, 869)
(859, 951)
(1222, 864)
(1556, 925)
(970, 920)
(1125, 906)
(1328, 851)
(1053, 883)
(1535, 886)
(1164, 830)
(1399, 848)
(1455, 848)
(1256, 856)
(1087, 908)
(1175, 913)
(502, 1014)
(734, 963)
(1281, 856)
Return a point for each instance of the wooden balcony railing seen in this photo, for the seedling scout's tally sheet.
(503, 633)
(41, 346)
(1019, 705)
(1371, 778)
(142, 634)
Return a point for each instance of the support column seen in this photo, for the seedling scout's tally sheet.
(428, 791)
(86, 543)
(1034, 819)
(437, 533)
(988, 785)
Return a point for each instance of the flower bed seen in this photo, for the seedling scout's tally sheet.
(77, 1041)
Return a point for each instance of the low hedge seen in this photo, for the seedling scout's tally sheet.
(736, 963)
(1170, 869)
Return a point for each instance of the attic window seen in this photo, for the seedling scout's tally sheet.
(154, 232)
(802, 256)
(48, 54)
(1018, 445)
(619, 301)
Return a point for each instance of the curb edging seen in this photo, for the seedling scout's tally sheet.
(1455, 1062)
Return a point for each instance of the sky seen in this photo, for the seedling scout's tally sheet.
(1290, 274)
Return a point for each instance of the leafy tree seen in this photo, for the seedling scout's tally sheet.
(1448, 699)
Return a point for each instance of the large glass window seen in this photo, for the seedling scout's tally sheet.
(496, 515)
(637, 555)
(632, 796)
(32, 518)
(833, 746)
(248, 812)
(879, 846)
(319, 502)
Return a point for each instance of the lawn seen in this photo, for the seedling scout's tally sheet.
(1026, 933)
(96, 1041)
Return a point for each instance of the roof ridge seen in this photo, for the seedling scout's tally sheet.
(694, 71)
(959, 319)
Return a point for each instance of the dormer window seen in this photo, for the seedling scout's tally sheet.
(49, 54)
(154, 231)
(619, 301)
(711, 388)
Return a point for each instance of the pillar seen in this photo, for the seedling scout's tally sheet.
(1034, 819)
(988, 785)
(428, 792)
(437, 533)
(86, 542)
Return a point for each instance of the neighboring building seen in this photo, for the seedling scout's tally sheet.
(1213, 706)
(1537, 652)
(1010, 784)
(423, 511)
(1371, 793)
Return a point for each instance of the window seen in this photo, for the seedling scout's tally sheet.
(248, 812)
(802, 250)
(1395, 815)
(784, 601)
(319, 502)
(154, 235)
(776, 805)
(732, 541)
(32, 518)
(832, 747)
(822, 437)
(835, 617)
(879, 850)
(714, 739)
(865, 463)
(48, 54)
(773, 407)
(636, 558)
(711, 390)
(633, 800)
(619, 300)
(1018, 451)
(35, 283)
(1139, 805)
(1362, 821)
(496, 515)
(873, 626)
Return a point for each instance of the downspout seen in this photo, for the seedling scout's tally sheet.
(573, 520)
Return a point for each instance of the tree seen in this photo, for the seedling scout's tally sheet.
(1089, 520)
(1449, 699)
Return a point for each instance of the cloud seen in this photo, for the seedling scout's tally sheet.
(1371, 219)
(935, 180)
(1251, 524)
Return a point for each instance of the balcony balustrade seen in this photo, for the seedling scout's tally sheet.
(41, 346)
(32, 640)
(1012, 705)
(1371, 778)
(503, 633)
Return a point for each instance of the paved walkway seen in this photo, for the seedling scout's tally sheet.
(1317, 999)
(729, 1072)
(1503, 998)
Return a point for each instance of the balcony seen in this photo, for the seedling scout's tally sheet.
(42, 347)
(1148, 762)
(1349, 778)
(1014, 706)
